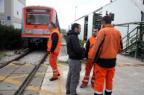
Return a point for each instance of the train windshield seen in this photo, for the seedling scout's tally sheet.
(37, 19)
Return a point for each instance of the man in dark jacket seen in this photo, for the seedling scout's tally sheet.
(75, 52)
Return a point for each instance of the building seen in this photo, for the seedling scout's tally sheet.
(128, 19)
(125, 11)
(11, 12)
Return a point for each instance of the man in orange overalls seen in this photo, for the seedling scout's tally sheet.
(89, 63)
(107, 45)
(54, 46)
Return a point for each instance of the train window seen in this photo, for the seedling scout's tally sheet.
(86, 28)
(38, 10)
(142, 16)
(40, 19)
(2, 22)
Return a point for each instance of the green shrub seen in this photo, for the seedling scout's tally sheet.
(10, 38)
(82, 42)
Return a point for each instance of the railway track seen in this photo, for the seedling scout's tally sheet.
(30, 76)
(15, 78)
(15, 59)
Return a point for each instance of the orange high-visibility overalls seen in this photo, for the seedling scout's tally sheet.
(53, 56)
(89, 64)
(108, 45)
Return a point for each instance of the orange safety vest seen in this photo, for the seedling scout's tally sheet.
(92, 42)
(49, 45)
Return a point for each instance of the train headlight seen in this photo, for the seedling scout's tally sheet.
(46, 32)
(28, 31)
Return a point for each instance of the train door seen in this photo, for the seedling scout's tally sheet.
(85, 28)
(97, 20)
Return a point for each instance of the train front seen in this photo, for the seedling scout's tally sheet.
(35, 30)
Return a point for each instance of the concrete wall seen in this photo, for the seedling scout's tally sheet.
(139, 4)
(12, 9)
(1, 6)
(125, 11)
(18, 6)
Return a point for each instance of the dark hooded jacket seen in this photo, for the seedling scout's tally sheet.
(74, 50)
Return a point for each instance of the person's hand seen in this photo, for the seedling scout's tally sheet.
(84, 59)
(89, 60)
(49, 52)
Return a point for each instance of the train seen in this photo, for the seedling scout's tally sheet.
(35, 30)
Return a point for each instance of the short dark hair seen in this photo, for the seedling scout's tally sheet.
(75, 25)
(107, 19)
(97, 27)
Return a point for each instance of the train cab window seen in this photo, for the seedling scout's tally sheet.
(40, 19)
(37, 16)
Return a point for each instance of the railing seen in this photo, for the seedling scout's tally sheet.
(133, 41)
(130, 39)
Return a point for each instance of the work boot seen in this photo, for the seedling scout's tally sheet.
(108, 93)
(68, 92)
(92, 83)
(97, 94)
(53, 79)
(59, 74)
(85, 82)
(83, 85)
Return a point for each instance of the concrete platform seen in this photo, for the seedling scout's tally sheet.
(129, 79)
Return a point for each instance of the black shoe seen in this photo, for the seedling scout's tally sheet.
(53, 79)
(67, 92)
(108, 93)
(97, 94)
(83, 85)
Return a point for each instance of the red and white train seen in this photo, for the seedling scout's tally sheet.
(35, 30)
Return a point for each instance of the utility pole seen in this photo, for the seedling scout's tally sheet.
(75, 12)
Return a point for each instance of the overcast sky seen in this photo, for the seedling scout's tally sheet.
(66, 8)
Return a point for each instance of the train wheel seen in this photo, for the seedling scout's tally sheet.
(25, 43)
